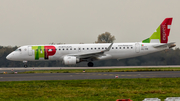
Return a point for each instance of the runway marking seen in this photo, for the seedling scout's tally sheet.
(74, 76)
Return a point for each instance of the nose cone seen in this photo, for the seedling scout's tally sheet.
(8, 57)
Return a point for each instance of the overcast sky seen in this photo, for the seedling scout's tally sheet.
(27, 22)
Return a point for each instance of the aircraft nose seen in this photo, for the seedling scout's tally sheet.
(9, 57)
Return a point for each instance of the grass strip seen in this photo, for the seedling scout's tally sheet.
(102, 70)
(90, 90)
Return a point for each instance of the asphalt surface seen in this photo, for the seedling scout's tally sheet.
(22, 69)
(81, 76)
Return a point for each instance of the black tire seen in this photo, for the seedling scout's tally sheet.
(90, 64)
(25, 66)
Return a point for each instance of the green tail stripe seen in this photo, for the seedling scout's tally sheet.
(155, 35)
(146, 40)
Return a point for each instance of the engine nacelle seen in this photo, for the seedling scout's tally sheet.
(70, 60)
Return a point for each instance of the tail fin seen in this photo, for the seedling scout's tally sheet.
(161, 34)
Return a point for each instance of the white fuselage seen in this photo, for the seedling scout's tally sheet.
(117, 51)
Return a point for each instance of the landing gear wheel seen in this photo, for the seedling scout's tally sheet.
(90, 64)
(25, 66)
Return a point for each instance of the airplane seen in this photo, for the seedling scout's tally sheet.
(71, 54)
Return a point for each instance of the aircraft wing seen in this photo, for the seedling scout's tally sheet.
(170, 45)
(92, 54)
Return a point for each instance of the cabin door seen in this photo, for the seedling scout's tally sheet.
(30, 51)
(137, 47)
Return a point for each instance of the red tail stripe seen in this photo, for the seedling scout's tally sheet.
(165, 29)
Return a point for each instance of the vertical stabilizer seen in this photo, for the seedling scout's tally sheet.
(161, 34)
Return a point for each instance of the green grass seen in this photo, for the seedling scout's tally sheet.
(103, 70)
(90, 90)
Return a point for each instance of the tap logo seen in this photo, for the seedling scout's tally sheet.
(43, 51)
(164, 32)
(165, 29)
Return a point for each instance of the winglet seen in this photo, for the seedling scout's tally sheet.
(109, 47)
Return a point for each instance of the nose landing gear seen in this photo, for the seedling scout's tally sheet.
(25, 64)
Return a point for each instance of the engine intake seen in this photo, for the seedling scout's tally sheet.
(70, 60)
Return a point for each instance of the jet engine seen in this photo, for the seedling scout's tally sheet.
(70, 60)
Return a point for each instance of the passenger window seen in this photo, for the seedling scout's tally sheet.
(106, 48)
(63, 48)
(91, 48)
(112, 47)
(119, 47)
(123, 47)
(102, 48)
(59, 49)
(50, 49)
(67, 49)
(74, 48)
(94, 48)
(83, 48)
(131, 47)
(70, 48)
(127, 47)
(116, 48)
(98, 48)
(87, 48)
(36, 49)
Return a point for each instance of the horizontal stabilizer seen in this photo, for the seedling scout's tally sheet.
(170, 45)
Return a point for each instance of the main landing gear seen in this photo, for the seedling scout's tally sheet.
(90, 64)
(25, 64)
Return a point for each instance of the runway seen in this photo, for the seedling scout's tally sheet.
(81, 76)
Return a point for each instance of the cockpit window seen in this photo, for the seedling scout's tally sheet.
(18, 50)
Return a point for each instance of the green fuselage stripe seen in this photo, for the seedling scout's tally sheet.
(38, 52)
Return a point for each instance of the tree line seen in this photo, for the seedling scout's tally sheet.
(167, 57)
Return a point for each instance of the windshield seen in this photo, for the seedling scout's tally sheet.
(18, 49)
